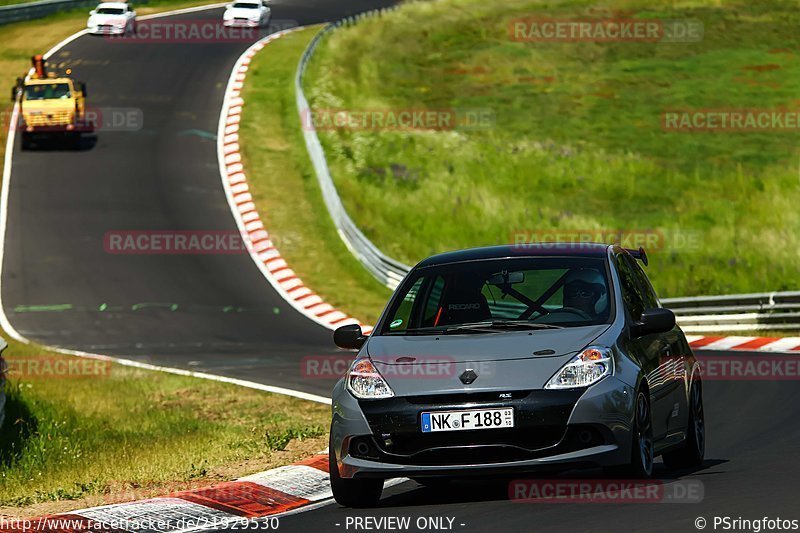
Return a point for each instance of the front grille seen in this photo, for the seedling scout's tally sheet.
(526, 440)
(540, 424)
(58, 118)
(480, 448)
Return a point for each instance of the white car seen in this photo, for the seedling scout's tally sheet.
(112, 18)
(246, 13)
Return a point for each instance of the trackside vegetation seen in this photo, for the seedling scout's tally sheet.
(100, 433)
(579, 142)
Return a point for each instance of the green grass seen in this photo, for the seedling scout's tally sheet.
(577, 142)
(285, 188)
(95, 435)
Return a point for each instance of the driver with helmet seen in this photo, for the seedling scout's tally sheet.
(583, 289)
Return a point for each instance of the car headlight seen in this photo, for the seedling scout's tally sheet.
(588, 367)
(365, 382)
(227, 15)
(91, 22)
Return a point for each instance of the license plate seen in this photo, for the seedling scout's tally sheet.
(470, 419)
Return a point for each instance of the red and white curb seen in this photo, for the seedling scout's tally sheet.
(261, 495)
(745, 344)
(234, 180)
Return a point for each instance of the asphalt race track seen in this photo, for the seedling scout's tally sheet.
(57, 275)
(216, 313)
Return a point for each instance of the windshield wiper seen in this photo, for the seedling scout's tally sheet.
(420, 331)
(494, 326)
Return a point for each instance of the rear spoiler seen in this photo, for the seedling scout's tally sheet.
(639, 254)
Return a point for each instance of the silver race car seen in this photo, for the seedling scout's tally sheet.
(510, 359)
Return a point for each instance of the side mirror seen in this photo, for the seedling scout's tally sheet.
(92, 12)
(349, 337)
(657, 320)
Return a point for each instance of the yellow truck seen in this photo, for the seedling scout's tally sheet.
(51, 106)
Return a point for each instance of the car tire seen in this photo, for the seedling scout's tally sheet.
(642, 453)
(26, 141)
(353, 492)
(693, 451)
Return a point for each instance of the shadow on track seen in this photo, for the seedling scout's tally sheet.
(84, 143)
(461, 491)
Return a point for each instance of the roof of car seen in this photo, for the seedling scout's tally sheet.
(518, 250)
(118, 5)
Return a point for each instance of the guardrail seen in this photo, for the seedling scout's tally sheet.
(385, 269)
(42, 8)
(737, 312)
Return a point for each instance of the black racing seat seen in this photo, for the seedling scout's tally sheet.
(464, 309)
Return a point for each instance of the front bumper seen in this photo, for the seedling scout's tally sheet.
(106, 30)
(241, 23)
(553, 430)
(57, 129)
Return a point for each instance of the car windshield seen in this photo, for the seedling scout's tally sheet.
(47, 91)
(245, 5)
(110, 11)
(501, 295)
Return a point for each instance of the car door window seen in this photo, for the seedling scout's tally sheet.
(647, 291)
(403, 315)
(433, 302)
(631, 292)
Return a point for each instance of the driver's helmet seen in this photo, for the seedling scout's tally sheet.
(593, 278)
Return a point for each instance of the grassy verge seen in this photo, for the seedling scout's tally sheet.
(112, 433)
(285, 188)
(577, 142)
